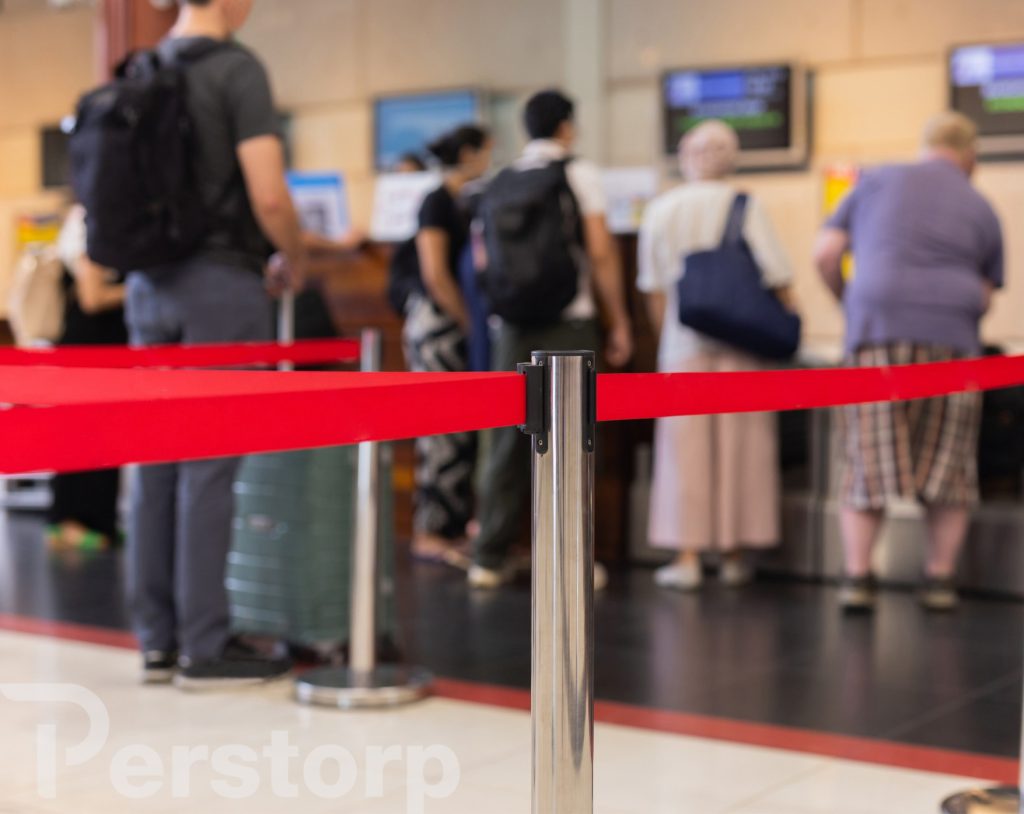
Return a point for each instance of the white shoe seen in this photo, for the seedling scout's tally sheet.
(487, 579)
(686, 577)
(735, 573)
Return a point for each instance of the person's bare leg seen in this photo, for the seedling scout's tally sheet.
(947, 531)
(860, 533)
(688, 559)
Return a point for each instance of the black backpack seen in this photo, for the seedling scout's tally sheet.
(534, 236)
(132, 156)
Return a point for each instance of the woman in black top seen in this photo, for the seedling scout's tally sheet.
(84, 511)
(436, 325)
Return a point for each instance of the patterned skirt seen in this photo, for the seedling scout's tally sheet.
(924, 450)
(444, 500)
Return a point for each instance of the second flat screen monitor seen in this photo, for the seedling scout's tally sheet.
(987, 85)
(765, 104)
(407, 124)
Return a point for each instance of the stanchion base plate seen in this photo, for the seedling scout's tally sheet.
(1004, 800)
(386, 686)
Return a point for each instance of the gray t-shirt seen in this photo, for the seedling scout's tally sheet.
(230, 101)
(924, 240)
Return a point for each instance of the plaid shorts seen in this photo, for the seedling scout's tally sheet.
(924, 450)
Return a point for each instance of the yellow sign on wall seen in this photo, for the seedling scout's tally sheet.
(29, 229)
(837, 183)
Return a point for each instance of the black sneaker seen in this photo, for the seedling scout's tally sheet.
(240, 665)
(938, 594)
(159, 666)
(857, 594)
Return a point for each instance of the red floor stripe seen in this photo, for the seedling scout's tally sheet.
(68, 632)
(846, 747)
(862, 750)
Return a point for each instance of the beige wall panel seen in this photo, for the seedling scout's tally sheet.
(928, 27)
(336, 138)
(46, 62)
(313, 49)
(1003, 184)
(360, 199)
(634, 119)
(20, 162)
(875, 112)
(445, 43)
(648, 36)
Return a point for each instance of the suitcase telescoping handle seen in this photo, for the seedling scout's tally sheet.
(286, 324)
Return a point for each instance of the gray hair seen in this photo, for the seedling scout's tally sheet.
(709, 151)
(950, 131)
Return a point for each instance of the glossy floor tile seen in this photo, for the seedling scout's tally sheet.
(777, 653)
(257, 751)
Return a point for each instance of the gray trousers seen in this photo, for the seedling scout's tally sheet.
(179, 530)
(504, 507)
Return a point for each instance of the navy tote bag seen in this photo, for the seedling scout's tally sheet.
(721, 295)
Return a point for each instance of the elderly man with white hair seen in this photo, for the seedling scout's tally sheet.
(928, 252)
(716, 478)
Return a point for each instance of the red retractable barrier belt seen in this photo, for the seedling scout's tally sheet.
(641, 395)
(62, 420)
(304, 352)
(54, 419)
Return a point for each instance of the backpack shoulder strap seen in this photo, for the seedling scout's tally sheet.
(733, 235)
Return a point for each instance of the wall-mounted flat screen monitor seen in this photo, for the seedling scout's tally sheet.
(987, 84)
(407, 124)
(766, 104)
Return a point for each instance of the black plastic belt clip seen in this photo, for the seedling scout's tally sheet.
(537, 419)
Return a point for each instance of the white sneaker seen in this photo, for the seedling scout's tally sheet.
(735, 573)
(686, 577)
(487, 579)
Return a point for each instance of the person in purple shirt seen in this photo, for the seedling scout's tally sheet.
(928, 255)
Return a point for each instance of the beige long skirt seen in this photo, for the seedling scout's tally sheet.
(716, 478)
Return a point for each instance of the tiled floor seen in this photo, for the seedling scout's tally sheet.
(762, 701)
(487, 767)
(777, 653)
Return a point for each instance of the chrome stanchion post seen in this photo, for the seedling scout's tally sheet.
(561, 404)
(365, 554)
(286, 324)
(364, 683)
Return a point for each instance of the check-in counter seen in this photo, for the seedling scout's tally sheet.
(993, 558)
(811, 463)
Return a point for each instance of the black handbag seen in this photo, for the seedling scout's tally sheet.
(721, 295)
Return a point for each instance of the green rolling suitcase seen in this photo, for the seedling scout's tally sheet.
(289, 568)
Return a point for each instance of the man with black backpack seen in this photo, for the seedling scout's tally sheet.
(550, 258)
(194, 224)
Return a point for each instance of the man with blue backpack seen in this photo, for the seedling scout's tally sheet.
(550, 259)
(181, 169)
